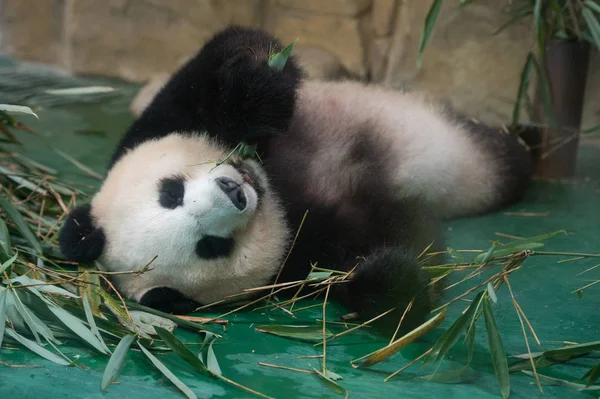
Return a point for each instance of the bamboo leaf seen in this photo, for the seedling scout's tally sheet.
(115, 363)
(18, 220)
(384, 353)
(592, 5)
(80, 90)
(75, 325)
(7, 264)
(146, 322)
(41, 286)
(17, 109)
(329, 382)
(515, 246)
(167, 373)
(496, 349)
(546, 91)
(211, 361)
(93, 327)
(278, 60)
(592, 375)
(5, 249)
(564, 383)
(430, 20)
(593, 25)
(3, 307)
(523, 87)
(578, 349)
(37, 349)
(319, 275)
(452, 334)
(492, 292)
(180, 349)
(296, 332)
(538, 26)
(36, 326)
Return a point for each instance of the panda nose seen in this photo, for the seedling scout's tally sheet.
(233, 190)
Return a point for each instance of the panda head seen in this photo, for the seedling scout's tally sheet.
(208, 229)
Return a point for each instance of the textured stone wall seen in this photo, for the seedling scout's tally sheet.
(374, 40)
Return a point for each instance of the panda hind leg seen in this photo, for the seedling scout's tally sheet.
(389, 278)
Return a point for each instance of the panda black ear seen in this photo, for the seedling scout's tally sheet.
(79, 239)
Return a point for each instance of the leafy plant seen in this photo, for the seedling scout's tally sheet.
(552, 21)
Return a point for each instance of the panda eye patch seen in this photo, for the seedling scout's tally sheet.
(171, 191)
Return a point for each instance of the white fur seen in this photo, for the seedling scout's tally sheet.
(138, 229)
(432, 156)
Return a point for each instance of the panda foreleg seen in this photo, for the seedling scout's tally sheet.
(388, 278)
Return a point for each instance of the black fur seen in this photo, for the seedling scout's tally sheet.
(226, 89)
(211, 247)
(388, 279)
(168, 300)
(517, 166)
(171, 192)
(79, 239)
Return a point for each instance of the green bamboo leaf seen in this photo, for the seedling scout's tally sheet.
(146, 322)
(558, 15)
(167, 373)
(18, 220)
(295, 332)
(36, 326)
(523, 87)
(519, 15)
(278, 60)
(492, 292)
(578, 349)
(180, 349)
(546, 91)
(515, 246)
(592, 375)
(115, 363)
(17, 109)
(593, 25)
(592, 129)
(179, 321)
(93, 327)
(387, 351)
(5, 249)
(7, 264)
(564, 383)
(430, 20)
(75, 325)
(211, 360)
(37, 349)
(452, 334)
(319, 275)
(80, 90)
(496, 349)
(329, 382)
(592, 5)
(3, 307)
(41, 286)
(538, 26)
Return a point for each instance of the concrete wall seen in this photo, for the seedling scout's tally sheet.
(375, 40)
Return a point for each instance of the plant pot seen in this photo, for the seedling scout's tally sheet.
(566, 65)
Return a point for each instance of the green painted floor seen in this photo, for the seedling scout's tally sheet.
(543, 288)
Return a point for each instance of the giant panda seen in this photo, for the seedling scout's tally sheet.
(353, 176)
